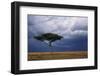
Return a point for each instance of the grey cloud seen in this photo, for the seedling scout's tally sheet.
(65, 26)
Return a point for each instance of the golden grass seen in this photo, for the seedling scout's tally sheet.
(56, 55)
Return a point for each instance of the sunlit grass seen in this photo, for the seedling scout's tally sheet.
(56, 55)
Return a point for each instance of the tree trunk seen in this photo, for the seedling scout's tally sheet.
(50, 43)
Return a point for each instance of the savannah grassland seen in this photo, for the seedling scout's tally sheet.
(56, 55)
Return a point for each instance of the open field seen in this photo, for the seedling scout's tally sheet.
(56, 55)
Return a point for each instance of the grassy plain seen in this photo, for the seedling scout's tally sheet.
(56, 55)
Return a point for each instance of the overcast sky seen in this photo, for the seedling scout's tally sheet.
(67, 26)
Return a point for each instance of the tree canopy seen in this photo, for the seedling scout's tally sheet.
(49, 37)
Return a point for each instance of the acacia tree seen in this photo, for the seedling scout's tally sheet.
(50, 37)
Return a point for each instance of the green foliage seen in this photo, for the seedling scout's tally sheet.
(49, 37)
